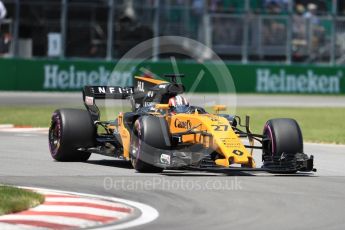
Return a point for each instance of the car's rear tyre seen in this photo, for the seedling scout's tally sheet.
(70, 130)
(282, 136)
(149, 134)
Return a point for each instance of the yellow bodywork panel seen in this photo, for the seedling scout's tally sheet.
(218, 108)
(212, 131)
(162, 106)
(217, 134)
(151, 80)
(221, 137)
(125, 137)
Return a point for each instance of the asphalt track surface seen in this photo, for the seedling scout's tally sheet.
(191, 200)
(243, 100)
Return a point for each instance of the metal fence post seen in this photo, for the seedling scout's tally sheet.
(208, 31)
(110, 30)
(16, 29)
(206, 26)
(63, 25)
(334, 32)
(309, 34)
(155, 50)
(289, 33)
(289, 39)
(260, 34)
(186, 16)
(245, 33)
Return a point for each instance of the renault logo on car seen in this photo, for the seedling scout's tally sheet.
(237, 152)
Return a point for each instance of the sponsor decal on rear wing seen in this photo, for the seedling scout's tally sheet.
(105, 92)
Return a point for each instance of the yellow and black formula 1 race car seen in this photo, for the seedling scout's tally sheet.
(164, 132)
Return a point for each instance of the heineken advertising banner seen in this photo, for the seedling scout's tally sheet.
(54, 75)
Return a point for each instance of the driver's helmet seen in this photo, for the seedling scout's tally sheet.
(178, 104)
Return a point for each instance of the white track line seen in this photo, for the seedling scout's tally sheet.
(325, 144)
(80, 209)
(85, 200)
(24, 130)
(5, 226)
(6, 126)
(72, 221)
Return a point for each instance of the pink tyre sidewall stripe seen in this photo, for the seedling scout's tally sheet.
(271, 137)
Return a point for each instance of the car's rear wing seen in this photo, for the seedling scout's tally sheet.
(107, 92)
(91, 93)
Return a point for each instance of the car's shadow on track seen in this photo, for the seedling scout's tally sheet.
(300, 174)
(186, 173)
(117, 163)
(189, 173)
(111, 163)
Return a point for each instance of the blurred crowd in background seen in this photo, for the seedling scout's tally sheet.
(4, 41)
(238, 30)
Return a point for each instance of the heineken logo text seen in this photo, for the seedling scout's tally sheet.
(56, 77)
(308, 82)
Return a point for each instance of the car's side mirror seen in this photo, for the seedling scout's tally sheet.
(218, 108)
(162, 106)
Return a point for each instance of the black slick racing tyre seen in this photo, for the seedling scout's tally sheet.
(70, 130)
(283, 136)
(149, 134)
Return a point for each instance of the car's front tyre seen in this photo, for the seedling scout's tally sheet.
(283, 141)
(150, 134)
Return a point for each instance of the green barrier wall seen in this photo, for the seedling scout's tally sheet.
(54, 75)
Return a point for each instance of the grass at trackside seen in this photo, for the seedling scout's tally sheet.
(325, 125)
(38, 116)
(318, 124)
(15, 199)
